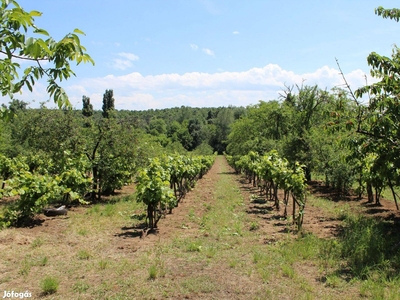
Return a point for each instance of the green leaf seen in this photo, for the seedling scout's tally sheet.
(42, 31)
(35, 13)
(76, 30)
(29, 85)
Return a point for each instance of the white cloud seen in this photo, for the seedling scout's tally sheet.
(121, 64)
(134, 101)
(271, 75)
(194, 46)
(125, 60)
(236, 32)
(208, 52)
(129, 56)
(137, 92)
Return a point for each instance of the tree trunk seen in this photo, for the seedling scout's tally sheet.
(275, 188)
(294, 208)
(360, 185)
(94, 186)
(307, 174)
(370, 193)
(286, 201)
(150, 215)
(394, 194)
(377, 195)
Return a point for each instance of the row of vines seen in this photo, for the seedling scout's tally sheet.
(166, 180)
(35, 183)
(270, 172)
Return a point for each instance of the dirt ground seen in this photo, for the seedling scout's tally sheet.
(272, 225)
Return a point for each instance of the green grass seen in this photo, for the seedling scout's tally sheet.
(25, 267)
(49, 285)
(81, 287)
(84, 254)
(364, 255)
(37, 242)
(367, 244)
(387, 193)
(41, 261)
(330, 208)
(83, 231)
(153, 272)
(254, 226)
(199, 284)
(103, 264)
(194, 246)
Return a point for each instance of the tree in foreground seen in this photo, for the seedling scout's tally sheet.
(379, 122)
(49, 58)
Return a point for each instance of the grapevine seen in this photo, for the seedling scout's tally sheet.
(166, 180)
(271, 172)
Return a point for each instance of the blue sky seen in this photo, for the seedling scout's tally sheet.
(168, 53)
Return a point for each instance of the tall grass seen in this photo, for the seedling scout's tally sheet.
(367, 246)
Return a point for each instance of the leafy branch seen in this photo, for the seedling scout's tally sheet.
(15, 44)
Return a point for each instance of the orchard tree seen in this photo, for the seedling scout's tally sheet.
(259, 130)
(21, 40)
(305, 111)
(50, 131)
(378, 123)
(111, 146)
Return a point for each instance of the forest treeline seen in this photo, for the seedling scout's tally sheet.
(178, 129)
